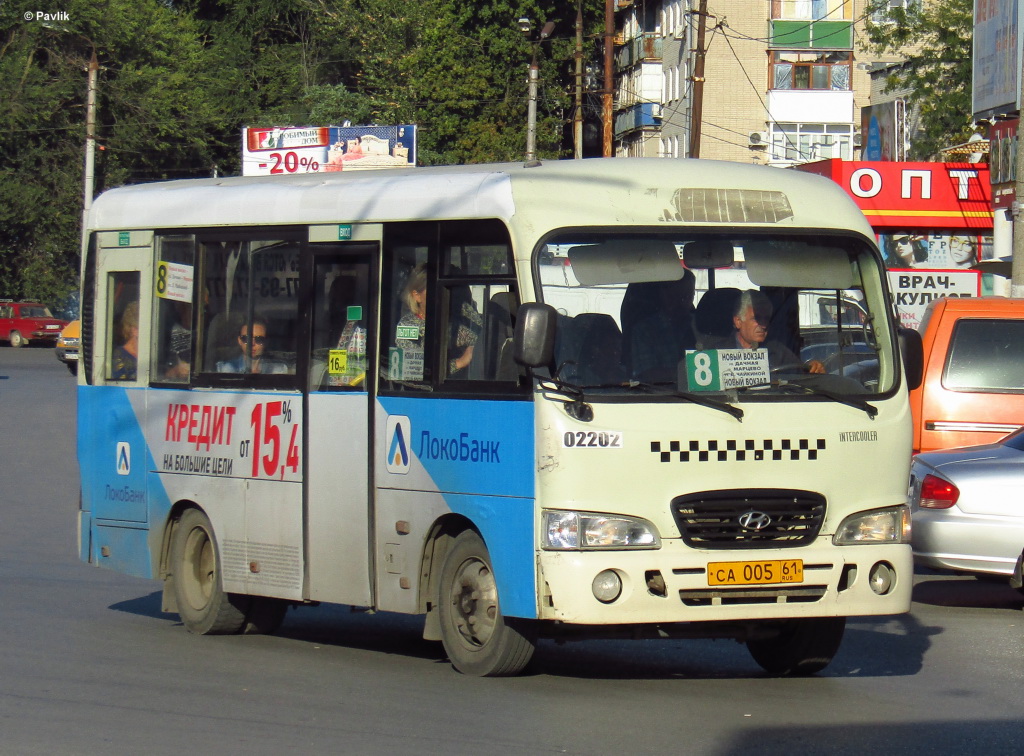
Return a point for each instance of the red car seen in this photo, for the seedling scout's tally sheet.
(22, 322)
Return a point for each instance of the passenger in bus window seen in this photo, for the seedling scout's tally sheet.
(750, 322)
(252, 359)
(406, 362)
(464, 330)
(125, 359)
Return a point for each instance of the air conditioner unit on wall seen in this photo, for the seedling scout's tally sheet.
(858, 140)
(757, 139)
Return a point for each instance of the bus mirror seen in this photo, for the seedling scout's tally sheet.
(913, 356)
(708, 253)
(534, 341)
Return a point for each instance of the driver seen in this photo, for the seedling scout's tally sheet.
(750, 322)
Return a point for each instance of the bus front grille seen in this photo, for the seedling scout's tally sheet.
(749, 518)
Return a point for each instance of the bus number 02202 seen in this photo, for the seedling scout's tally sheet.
(592, 440)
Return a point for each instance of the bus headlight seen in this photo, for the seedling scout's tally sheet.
(890, 525)
(578, 530)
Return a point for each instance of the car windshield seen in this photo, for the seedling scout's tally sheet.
(35, 311)
(779, 316)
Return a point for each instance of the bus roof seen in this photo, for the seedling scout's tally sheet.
(566, 193)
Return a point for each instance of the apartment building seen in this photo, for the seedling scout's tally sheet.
(783, 83)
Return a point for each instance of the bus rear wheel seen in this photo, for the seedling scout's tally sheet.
(204, 607)
(801, 647)
(479, 641)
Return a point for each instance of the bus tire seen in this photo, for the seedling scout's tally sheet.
(204, 607)
(479, 641)
(801, 647)
(17, 339)
(265, 615)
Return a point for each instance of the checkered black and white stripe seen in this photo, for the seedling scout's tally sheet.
(733, 450)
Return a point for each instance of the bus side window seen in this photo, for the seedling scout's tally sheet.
(478, 302)
(340, 326)
(172, 355)
(479, 343)
(407, 355)
(250, 306)
(123, 326)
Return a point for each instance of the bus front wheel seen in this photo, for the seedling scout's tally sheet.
(479, 641)
(204, 607)
(801, 646)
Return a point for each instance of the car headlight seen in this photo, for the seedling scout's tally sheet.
(890, 525)
(569, 531)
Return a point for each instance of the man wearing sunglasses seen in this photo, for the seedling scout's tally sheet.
(252, 359)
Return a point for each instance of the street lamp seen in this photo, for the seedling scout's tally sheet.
(526, 28)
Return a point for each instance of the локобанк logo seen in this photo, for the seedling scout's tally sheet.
(124, 458)
(398, 433)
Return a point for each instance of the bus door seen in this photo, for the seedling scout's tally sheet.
(113, 454)
(342, 334)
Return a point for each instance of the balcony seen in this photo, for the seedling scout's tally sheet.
(643, 49)
(640, 116)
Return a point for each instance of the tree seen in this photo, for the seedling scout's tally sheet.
(154, 118)
(179, 79)
(456, 69)
(935, 38)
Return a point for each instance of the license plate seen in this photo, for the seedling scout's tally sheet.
(756, 573)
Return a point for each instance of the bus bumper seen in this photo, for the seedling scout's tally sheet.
(671, 584)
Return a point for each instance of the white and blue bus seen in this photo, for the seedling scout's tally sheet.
(485, 394)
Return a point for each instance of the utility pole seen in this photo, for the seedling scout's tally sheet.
(526, 27)
(88, 181)
(1017, 266)
(697, 106)
(577, 118)
(609, 77)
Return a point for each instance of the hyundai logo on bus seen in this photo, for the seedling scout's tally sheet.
(754, 520)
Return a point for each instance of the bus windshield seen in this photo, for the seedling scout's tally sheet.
(765, 316)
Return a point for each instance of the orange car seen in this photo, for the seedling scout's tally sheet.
(973, 387)
(67, 345)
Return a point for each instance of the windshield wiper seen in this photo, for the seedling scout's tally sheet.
(704, 401)
(850, 401)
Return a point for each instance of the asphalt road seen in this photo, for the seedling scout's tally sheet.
(89, 664)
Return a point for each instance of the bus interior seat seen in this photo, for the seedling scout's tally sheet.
(499, 326)
(594, 354)
(221, 339)
(641, 302)
(714, 313)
